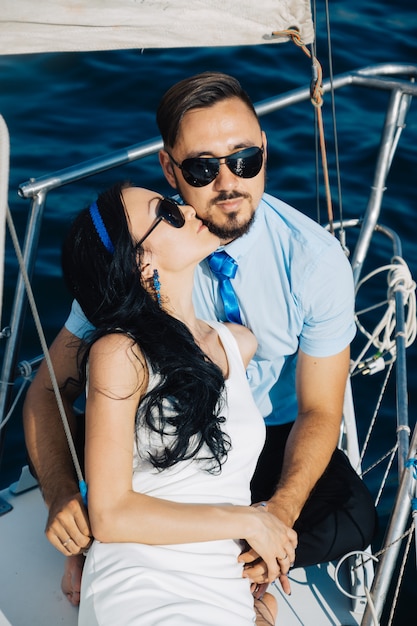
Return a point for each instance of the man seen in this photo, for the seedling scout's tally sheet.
(295, 291)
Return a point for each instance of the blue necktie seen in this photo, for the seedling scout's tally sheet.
(224, 267)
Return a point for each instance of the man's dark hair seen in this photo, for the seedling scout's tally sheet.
(197, 92)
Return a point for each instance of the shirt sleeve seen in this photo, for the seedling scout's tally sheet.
(328, 304)
(77, 323)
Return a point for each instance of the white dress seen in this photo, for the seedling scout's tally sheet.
(198, 584)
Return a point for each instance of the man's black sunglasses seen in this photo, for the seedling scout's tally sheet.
(169, 211)
(201, 171)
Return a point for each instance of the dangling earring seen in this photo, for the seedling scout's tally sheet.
(157, 286)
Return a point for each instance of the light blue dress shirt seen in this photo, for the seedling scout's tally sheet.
(295, 289)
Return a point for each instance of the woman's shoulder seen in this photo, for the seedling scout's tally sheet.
(113, 343)
(245, 339)
(116, 355)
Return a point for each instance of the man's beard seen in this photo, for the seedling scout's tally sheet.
(232, 229)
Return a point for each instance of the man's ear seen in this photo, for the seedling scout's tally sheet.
(167, 168)
(265, 144)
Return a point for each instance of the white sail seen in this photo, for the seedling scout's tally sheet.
(81, 25)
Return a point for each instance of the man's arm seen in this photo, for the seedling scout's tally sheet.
(320, 385)
(48, 447)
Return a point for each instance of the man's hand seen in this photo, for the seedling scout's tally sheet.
(68, 527)
(255, 568)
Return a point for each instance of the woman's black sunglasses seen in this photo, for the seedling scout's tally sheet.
(201, 171)
(169, 211)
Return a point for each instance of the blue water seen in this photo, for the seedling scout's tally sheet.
(65, 108)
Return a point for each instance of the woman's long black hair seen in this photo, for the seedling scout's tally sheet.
(109, 289)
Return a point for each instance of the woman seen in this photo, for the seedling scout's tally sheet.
(168, 397)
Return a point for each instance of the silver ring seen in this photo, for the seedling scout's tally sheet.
(66, 542)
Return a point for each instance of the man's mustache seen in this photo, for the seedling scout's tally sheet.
(228, 195)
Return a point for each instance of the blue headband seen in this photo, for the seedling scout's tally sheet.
(100, 228)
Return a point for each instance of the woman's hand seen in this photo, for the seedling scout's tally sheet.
(271, 550)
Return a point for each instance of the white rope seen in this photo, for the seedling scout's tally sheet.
(350, 595)
(4, 189)
(400, 576)
(375, 414)
(383, 336)
(374, 557)
(391, 457)
(44, 345)
(16, 400)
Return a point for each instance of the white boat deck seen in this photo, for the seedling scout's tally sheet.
(31, 571)
(31, 568)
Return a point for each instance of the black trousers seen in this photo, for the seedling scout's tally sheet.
(339, 515)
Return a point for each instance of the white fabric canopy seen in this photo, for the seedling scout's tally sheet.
(29, 26)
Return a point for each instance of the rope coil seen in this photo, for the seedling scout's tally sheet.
(383, 337)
